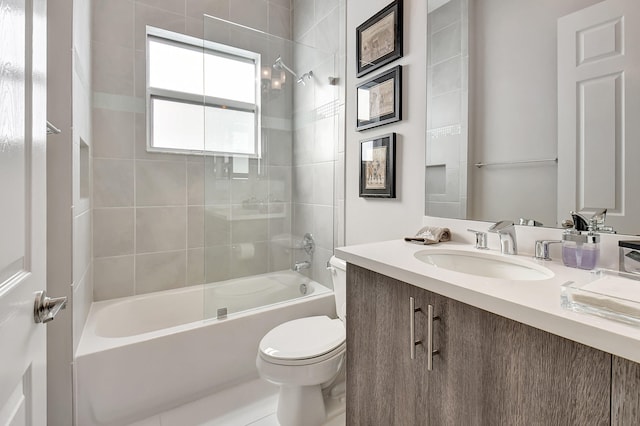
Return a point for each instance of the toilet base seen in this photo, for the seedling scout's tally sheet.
(301, 406)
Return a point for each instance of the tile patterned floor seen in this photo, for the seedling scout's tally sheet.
(248, 404)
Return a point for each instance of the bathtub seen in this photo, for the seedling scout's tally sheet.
(141, 355)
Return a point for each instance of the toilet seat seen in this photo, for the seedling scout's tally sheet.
(304, 341)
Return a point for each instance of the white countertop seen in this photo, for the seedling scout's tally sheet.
(535, 303)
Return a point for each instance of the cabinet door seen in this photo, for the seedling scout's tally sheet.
(457, 376)
(382, 379)
(495, 371)
(625, 392)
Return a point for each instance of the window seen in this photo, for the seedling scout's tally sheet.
(201, 96)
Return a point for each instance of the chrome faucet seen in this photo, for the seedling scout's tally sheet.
(298, 266)
(507, 233)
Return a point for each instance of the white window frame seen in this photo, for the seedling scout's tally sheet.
(185, 41)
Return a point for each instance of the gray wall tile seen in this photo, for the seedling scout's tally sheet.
(252, 13)
(112, 183)
(323, 183)
(245, 266)
(195, 183)
(195, 266)
(114, 277)
(195, 226)
(160, 271)
(217, 8)
(112, 69)
(217, 230)
(113, 22)
(303, 184)
(161, 183)
(153, 16)
(279, 21)
(303, 17)
(161, 229)
(113, 133)
(113, 233)
(217, 263)
(324, 7)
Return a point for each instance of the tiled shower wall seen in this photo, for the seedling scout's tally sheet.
(318, 147)
(156, 224)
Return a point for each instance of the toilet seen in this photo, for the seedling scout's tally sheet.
(304, 356)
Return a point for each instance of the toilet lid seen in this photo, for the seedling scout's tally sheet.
(303, 338)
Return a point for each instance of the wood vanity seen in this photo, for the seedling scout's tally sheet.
(487, 369)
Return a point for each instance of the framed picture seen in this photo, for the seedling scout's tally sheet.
(377, 167)
(379, 100)
(379, 39)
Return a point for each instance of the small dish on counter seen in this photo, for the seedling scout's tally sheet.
(609, 294)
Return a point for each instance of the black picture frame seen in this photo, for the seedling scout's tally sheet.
(379, 99)
(378, 167)
(379, 39)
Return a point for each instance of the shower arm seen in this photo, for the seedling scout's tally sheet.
(281, 64)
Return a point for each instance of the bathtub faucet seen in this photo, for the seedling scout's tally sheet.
(298, 266)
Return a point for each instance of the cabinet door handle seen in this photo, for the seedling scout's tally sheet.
(412, 327)
(430, 351)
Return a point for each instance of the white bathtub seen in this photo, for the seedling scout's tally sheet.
(145, 354)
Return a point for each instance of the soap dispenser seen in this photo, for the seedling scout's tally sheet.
(581, 244)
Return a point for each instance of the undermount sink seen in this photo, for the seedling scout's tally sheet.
(484, 264)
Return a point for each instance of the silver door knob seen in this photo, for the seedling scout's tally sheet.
(46, 308)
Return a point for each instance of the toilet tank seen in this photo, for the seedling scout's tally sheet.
(339, 277)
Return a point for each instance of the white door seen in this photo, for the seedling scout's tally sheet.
(22, 210)
(598, 112)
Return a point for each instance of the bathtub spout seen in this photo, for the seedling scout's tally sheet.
(298, 266)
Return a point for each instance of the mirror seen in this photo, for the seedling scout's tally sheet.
(530, 108)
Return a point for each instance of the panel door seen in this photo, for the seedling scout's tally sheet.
(598, 106)
(22, 210)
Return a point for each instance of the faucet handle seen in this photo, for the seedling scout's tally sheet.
(542, 248)
(481, 239)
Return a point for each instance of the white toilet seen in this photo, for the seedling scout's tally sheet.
(305, 355)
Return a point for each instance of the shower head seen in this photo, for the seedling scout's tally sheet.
(280, 65)
(306, 75)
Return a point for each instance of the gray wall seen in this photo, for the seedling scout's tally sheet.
(318, 148)
(370, 220)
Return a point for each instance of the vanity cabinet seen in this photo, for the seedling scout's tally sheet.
(625, 392)
(489, 370)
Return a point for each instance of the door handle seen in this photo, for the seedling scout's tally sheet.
(430, 351)
(412, 327)
(46, 308)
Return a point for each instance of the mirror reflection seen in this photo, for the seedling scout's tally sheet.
(530, 110)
